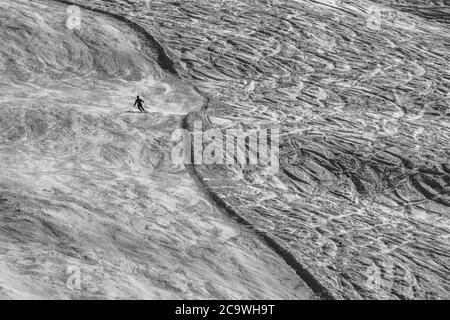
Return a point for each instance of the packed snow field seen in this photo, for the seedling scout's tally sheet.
(90, 203)
(358, 209)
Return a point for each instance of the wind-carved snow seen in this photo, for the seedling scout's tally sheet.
(91, 205)
(359, 91)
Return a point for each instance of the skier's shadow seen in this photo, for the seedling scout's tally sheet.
(135, 112)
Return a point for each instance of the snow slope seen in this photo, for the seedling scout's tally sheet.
(361, 200)
(87, 187)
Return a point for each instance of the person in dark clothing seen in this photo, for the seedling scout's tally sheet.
(139, 102)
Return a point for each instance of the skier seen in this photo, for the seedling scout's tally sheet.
(139, 102)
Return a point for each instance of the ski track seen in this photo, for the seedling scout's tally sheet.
(361, 200)
(88, 185)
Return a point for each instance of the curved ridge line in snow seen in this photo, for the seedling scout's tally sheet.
(167, 64)
(316, 286)
(163, 59)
